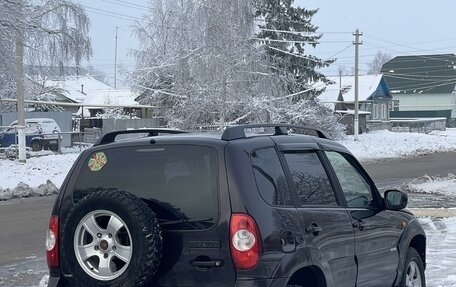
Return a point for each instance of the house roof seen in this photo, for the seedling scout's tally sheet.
(76, 81)
(112, 97)
(369, 87)
(80, 87)
(427, 74)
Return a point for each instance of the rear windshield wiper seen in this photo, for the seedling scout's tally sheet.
(184, 220)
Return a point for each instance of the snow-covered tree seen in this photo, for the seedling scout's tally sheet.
(377, 63)
(288, 34)
(200, 65)
(51, 31)
(197, 62)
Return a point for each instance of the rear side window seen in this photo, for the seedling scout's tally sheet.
(270, 177)
(179, 182)
(311, 182)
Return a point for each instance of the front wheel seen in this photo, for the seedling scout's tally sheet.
(413, 275)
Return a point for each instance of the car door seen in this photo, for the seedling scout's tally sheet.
(326, 224)
(376, 230)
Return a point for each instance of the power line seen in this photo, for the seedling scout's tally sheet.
(349, 46)
(113, 14)
(124, 4)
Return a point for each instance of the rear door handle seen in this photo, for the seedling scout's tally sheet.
(314, 229)
(359, 224)
(206, 263)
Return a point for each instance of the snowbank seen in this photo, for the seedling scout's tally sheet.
(39, 176)
(380, 145)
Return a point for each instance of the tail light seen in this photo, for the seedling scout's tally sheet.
(52, 242)
(245, 241)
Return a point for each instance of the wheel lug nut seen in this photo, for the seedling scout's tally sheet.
(99, 235)
(105, 255)
(114, 248)
(96, 247)
(109, 235)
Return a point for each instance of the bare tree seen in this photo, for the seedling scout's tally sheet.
(200, 65)
(52, 32)
(377, 63)
(197, 62)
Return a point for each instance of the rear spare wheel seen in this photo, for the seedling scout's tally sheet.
(110, 238)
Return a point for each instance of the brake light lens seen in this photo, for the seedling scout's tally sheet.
(52, 248)
(245, 241)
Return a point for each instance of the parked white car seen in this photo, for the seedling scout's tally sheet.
(39, 133)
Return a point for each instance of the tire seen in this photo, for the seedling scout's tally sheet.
(36, 145)
(54, 147)
(110, 238)
(413, 270)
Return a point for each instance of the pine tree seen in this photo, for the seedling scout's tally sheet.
(288, 34)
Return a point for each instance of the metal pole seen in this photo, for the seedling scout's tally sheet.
(356, 121)
(115, 61)
(20, 97)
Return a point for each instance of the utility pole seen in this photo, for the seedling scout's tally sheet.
(115, 60)
(356, 121)
(20, 91)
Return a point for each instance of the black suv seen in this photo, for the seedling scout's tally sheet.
(286, 208)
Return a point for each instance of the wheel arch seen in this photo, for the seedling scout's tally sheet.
(309, 275)
(415, 237)
(419, 243)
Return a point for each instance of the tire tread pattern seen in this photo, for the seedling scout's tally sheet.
(150, 236)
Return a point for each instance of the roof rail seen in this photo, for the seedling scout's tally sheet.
(238, 132)
(111, 137)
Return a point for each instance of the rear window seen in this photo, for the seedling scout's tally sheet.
(178, 181)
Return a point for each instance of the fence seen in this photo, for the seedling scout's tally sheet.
(418, 125)
(124, 124)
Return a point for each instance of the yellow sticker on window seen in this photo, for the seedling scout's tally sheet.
(97, 161)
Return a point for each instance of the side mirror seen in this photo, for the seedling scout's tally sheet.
(395, 199)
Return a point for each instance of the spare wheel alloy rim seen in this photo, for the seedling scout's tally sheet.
(103, 245)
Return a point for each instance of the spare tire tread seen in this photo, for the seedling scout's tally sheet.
(150, 238)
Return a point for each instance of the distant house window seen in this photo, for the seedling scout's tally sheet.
(396, 105)
(384, 111)
(375, 115)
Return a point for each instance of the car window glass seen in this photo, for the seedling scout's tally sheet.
(356, 190)
(270, 177)
(310, 179)
(179, 182)
(32, 128)
(12, 129)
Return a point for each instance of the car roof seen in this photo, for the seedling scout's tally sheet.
(212, 138)
(35, 120)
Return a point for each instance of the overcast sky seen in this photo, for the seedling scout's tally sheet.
(396, 27)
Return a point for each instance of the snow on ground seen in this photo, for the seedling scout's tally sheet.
(380, 145)
(441, 251)
(433, 185)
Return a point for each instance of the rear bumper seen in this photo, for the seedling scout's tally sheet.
(278, 282)
(53, 281)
